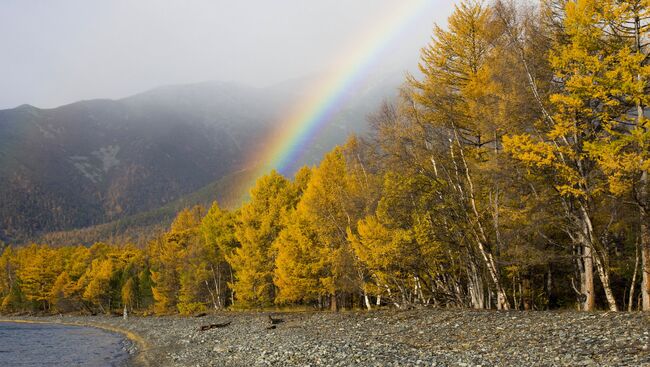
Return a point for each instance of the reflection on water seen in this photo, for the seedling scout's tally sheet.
(59, 345)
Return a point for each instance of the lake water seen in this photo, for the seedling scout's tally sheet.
(31, 345)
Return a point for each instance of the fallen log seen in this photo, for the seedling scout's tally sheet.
(214, 326)
(275, 321)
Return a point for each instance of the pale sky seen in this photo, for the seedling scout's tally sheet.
(57, 52)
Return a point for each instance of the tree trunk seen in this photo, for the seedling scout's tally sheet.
(232, 291)
(603, 274)
(599, 258)
(634, 274)
(482, 240)
(644, 204)
(526, 293)
(366, 299)
(645, 247)
(212, 297)
(216, 278)
(550, 295)
(475, 287)
(334, 305)
(586, 270)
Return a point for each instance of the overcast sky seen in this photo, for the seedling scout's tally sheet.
(57, 52)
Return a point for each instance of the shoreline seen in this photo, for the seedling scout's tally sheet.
(424, 337)
(137, 359)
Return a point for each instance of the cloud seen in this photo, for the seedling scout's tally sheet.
(63, 51)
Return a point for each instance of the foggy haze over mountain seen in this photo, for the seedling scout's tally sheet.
(60, 52)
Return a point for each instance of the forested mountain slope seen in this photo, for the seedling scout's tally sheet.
(97, 161)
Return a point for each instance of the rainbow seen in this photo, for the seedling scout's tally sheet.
(309, 115)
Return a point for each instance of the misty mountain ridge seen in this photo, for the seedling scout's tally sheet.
(101, 160)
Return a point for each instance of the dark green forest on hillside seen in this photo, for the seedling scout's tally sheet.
(511, 174)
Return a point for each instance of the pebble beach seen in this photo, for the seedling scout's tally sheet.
(423, 337)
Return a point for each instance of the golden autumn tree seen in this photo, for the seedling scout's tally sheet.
(78, 259)
(164, 276)
(219, 241)
(258, 226)
(175, 259)
(98, 290)
(623, 149)
(39, 268)
(595, 76)
(69, 278)
(12, 296)
(397, 243)
(7, 271)
(129, 294)
(301, 261)
(460, 102)
(331, 205)
(60, 294)
(127, 286)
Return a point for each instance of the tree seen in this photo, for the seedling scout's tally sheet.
(218, 229)
(176, 257)
(301, 262)
(38, 270)
(460, 96)
(398, 244)
(332, 203)
(258, 226)
(60, 293)
(11, 295)
(7, 271)
(98, 289)
(129, 294)
(588, 96)
(623, 149)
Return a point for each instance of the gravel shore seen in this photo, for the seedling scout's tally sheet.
(386, 338)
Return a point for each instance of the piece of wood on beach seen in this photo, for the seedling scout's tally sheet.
(275, 321)
(214, 326)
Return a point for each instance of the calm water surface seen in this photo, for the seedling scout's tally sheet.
(59, 345)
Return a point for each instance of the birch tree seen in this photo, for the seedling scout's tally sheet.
(623, 151)
(459, 96)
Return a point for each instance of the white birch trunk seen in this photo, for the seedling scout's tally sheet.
(600, 259)
(502, 300)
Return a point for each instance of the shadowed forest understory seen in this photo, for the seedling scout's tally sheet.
(511, 174)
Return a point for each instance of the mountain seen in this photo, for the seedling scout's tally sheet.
(100, 161)
(141, 227)
(95, 161)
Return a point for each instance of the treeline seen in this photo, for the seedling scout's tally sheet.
(513, 173)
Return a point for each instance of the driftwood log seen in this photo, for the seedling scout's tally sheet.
(214, 326)
(274, 323)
